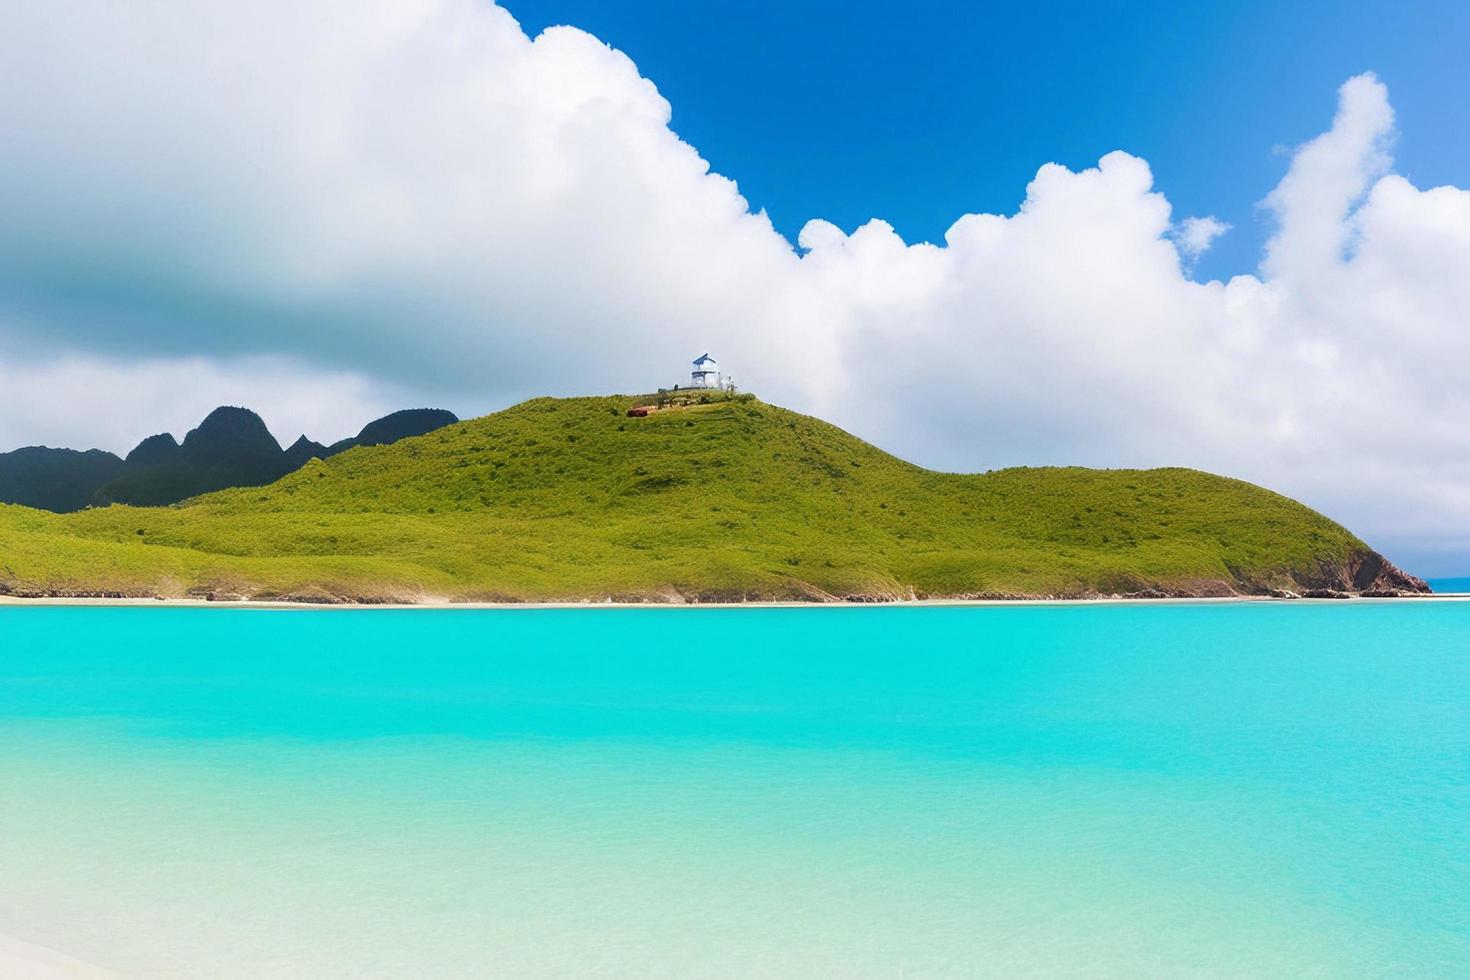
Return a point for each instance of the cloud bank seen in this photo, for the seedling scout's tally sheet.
(411, 199)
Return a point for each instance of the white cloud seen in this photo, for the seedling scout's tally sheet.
(83, 402)
(1328, 176)
(417, 192)
(1195, 235)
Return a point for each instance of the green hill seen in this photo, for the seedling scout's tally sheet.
(571, 499)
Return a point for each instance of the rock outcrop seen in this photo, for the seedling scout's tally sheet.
(1365, 572)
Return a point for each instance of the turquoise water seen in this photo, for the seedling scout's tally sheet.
(1127, 789)
(1450, 584)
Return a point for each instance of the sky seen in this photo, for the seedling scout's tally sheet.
(849, 111)
(1231, 236)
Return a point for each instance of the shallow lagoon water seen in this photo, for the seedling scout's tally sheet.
(1233, 789)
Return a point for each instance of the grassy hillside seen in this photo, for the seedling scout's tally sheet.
(569, 499)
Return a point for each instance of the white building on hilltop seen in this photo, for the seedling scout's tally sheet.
(706, 373)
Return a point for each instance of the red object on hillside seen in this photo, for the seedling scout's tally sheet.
(639, 412)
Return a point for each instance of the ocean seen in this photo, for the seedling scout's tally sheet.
(1127, 790)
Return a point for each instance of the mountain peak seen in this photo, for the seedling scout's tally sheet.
(239, 428)
(161, 448)
(302, 450)
(404, 424)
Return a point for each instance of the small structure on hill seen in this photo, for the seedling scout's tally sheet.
(706, 373)
(707, 385)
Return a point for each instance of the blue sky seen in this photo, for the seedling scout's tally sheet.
(920, 112)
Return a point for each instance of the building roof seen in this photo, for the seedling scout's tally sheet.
(702, 358)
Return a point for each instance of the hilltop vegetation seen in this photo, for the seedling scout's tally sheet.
(570, 499)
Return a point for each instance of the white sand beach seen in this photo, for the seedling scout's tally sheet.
(20, 960)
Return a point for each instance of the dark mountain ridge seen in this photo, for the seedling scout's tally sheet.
(162, 448)
(302, 451)
(55, 479)
(231, 447)
(404, 424)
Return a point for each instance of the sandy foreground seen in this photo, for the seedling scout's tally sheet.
(20, 960)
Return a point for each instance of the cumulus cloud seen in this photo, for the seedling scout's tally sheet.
(1195, 235)
(416, 192)
(404, 186)
(1328, 176)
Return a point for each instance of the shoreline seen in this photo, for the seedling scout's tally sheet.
(439, 604)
